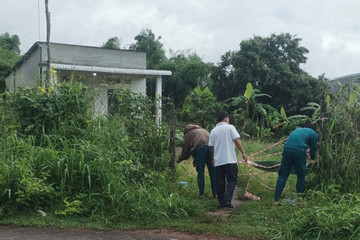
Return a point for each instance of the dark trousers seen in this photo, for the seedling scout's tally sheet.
(290, 158)
(226, 181)
(202, 158)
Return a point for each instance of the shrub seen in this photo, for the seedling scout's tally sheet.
(116, 167)
(340, 145)
(63, 108)
(200, 107)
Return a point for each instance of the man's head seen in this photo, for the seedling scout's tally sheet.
(222, 116)
(189, 127)
(309, 125)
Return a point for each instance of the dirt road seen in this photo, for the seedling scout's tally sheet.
(46, 233)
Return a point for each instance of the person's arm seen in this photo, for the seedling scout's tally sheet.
(313, 146)
(185, 152)
(241, 149)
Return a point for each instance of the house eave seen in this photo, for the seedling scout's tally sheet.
(96, 69)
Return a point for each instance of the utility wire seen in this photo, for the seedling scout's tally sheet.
(39, 20)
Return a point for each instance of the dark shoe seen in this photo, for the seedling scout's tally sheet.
(226, 205)
(229, 205)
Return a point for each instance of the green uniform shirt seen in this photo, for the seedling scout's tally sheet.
(301, 139)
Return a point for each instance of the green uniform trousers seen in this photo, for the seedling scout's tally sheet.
(291, 158)
(202, 157)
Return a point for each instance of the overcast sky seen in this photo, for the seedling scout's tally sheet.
(330, 29)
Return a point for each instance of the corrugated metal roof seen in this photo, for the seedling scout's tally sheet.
(346, 76)
(82, 68)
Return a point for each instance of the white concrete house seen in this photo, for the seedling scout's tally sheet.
(101, 69)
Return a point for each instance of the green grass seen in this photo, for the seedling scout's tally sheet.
(245, 221)
(251, 220)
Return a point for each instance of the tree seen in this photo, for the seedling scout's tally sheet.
(9, 55)
(147, 42)
(188, 71)
(10, 43)
(112, 43)
(271, 65)
(248, 113)
(200, 106)
(155, 54)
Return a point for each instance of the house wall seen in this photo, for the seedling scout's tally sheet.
(26, 75)
(94, 56)
(138, 86)
(27, 71)
(102, 83)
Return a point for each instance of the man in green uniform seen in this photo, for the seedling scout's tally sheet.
(294, 154)
(196, 144)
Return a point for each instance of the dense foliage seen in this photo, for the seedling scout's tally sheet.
(272, 65)
(104, 167)
(146, 41)
(340, 145)
(188, 72)
(200, 106)
(112, 43)
(9, 55)
(44, 111)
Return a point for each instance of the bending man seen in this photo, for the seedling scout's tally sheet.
(196, 144)
(294, 154)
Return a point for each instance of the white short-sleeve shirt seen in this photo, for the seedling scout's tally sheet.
(222, 139)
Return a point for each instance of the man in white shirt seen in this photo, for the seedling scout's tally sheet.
(223, 139)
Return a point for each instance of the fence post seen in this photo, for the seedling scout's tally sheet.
(172, 137)
(322, 124)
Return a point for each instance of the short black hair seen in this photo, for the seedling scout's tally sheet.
(221, 116)
(309, 125)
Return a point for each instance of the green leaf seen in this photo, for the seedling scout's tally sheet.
(353, 96)
(249, 91)
(327, 99)
(357, 88)
(283, 114)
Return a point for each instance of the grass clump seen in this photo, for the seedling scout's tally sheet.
(114, 169)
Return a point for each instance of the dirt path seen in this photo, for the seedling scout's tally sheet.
(46, 233)
(225, 213)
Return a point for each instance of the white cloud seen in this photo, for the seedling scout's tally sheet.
(342, 42)
(330, 29)
(114, 13)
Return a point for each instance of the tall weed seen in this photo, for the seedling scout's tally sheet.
(326, 215)
(65, 161)
(63, 109)
(339, 145)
